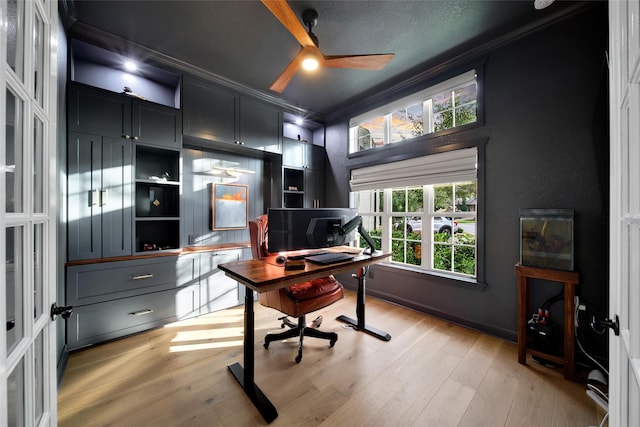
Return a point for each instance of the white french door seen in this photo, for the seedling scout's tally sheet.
(624, 277)
(27, 212)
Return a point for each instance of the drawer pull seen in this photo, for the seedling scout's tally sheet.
(141, 312)
(142, 276)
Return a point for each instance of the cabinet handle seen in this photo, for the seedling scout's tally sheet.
(93, 197)
(126, 136)
(141, 312)
(135, 138)
(104, 197)
(142, 276)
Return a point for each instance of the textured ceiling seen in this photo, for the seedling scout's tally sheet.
(243, 42)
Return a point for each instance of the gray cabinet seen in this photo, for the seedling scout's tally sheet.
(210, 112)
(218, 114)
(99, 196)
(303, 174)
(218, 291)
(115, 299)
(101, 112)
(260, 125)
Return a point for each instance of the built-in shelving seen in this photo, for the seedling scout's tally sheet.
(157, 199)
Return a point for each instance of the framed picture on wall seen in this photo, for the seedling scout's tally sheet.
(230, 209)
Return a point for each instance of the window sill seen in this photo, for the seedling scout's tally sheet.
(438, 277)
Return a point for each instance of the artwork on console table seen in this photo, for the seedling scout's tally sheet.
(229, 206)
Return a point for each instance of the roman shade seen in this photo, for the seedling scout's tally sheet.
(451, 166)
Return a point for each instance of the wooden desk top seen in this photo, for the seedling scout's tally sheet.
(264, 275)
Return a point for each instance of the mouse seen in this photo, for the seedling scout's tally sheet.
(281, 259)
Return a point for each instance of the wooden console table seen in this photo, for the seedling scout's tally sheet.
(570, 280)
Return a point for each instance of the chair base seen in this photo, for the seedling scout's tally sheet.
(301, 331)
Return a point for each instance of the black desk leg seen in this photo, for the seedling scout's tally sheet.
(245, 377)
(360, 323)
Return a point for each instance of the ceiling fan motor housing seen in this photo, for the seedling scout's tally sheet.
(310, 19)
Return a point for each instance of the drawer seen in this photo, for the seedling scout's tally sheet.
(93, 283)
(94, 323)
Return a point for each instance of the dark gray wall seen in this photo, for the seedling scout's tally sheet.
(545, 123)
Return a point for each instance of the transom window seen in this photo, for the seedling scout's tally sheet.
(448, 105)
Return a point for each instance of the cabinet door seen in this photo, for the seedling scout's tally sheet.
(217, 291)
(293, 153)
(314, 188)
(260, 125)
(209, 112)
(315, 157)
(98, 112)
(84, 182)
(156, 124)
(116, 197)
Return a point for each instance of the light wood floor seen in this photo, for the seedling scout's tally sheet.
(431, 373)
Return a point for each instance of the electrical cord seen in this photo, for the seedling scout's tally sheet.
(598, 364)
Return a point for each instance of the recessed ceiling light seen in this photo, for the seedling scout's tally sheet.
(542, 4)
(299, 121)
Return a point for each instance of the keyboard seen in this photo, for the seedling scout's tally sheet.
(330, 258)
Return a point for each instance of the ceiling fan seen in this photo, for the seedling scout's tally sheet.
(309, 46)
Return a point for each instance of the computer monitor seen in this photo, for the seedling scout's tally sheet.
(299, 228)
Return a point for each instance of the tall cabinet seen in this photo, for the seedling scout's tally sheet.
(302, 174)
(112, 135)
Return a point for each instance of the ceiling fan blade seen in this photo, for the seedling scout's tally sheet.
(362, 62)
(285, 77)
(284, 13)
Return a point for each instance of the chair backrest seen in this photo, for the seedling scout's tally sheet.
(258, 229)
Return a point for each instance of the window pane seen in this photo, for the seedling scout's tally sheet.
(465, 260)
(407, 123)
(38, 166)
(15, 42)
(465, 114)
(38, 274)
(14, 281)
(442, 102)
(443, 199)
(415, 200)
(443, 120)
(13, 153)
(466, 196)
(465, 94)
(442, 257)
(16, 396)
(39, 377)
(399, 200)
(373, 226)
(371, 134)
(38, 57)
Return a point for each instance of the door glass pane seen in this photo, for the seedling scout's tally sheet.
(13, 154)
(15, 43)
(15, 396)
(38, 404)
(14, 280)
(38, 274)
(38, 166)
(38, 56)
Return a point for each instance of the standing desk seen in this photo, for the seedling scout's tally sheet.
(262, 275)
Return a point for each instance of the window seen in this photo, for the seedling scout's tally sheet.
(423, 210)
(447, 105)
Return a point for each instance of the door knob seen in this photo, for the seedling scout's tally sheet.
(64, 311)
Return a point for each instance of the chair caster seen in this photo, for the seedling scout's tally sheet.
(266, 345)
(332, 343)
(298, 358)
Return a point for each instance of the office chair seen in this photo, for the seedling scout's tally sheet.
(296, 300)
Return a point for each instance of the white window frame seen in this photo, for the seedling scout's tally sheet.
(436, 169)
(423, 96)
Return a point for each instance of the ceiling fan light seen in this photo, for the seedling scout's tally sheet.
(310, 64)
